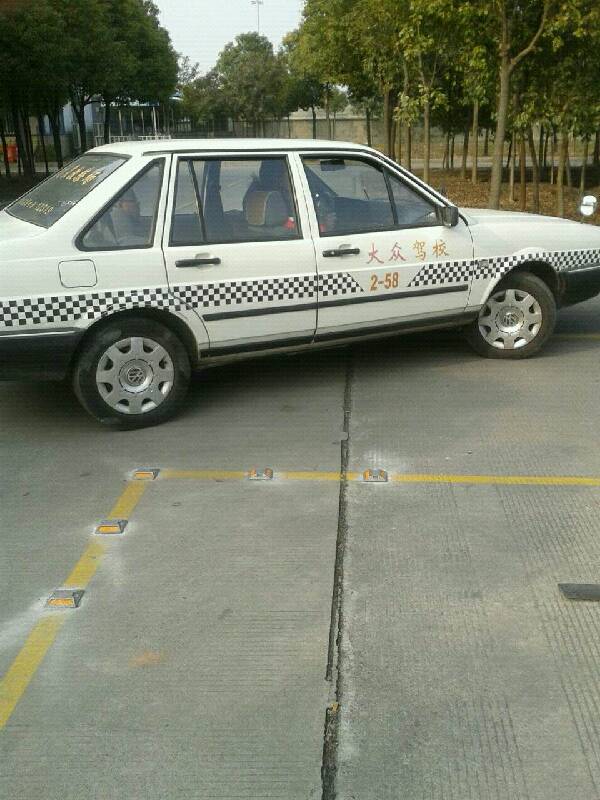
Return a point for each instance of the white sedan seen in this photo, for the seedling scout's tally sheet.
(141, 261)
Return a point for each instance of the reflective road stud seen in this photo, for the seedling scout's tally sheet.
(65, 598)
(112, 526)
(145, 474)
(265, 474)
(375, 476)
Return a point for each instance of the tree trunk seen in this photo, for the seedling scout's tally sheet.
(393, 139)
(79, 110)
(107, 116)
(4, 148)
(569, 174)
(409, 147)
(465, 153)
(562, 161)
(40, 122)
(584, 158)
(597, 149)
(511, 168)
(536, 170)
(446, 156)
(387, 121)
(24, 162)
(501, 117)
(486, 142)
(552, 136)
(314, 122)
(398, 141)
(452, 142)
(427, 140)
(369, 138)
(475, 142)
(54, 117)
(328, 112)
(523, 172)
(540, 146)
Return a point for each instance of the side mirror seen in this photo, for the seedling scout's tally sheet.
(448, 216)
(588, 205)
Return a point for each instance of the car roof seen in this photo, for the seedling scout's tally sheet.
(149, 147)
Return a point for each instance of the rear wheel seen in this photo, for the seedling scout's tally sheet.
(132, 374)
(516, 320)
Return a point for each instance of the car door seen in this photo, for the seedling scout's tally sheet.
(383, 257)
(238, 250)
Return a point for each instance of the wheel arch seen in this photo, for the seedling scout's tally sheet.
(169, 320)
(542, 270)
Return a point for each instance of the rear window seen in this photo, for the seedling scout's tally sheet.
(47, 203)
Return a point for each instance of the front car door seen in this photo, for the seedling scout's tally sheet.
(383, 257)
(238, 250)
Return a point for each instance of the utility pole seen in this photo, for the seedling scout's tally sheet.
(258, 4)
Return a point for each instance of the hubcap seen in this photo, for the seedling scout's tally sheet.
(510, 319)
(135, 375)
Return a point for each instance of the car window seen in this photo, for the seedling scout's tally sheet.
(240, 200)
(350, 195)
(412, 210)
(47, 203)
(130, 220)
(186, 228)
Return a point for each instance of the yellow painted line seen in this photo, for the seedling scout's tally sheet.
(131, 496)
(25, 665)
(85, 569)
(307, 475)
(514, 480)
(19, 675)
(203, 474)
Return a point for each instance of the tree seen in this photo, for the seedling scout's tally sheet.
(518, 29)
(252, 94)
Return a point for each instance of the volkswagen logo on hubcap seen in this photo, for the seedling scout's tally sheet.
(135, 376)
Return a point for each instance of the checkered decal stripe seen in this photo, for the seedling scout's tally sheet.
(338, 283)
(449, 272)
(68, 308)
(226, 294)
(47, 310)
(443, 272)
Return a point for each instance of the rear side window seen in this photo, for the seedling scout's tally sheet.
(47, 203)
(233, 200)
(129, 221)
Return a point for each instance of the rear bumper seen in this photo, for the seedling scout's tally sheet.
(37, 356)
(580, 285)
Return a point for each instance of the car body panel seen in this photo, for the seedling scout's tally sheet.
(443, 275)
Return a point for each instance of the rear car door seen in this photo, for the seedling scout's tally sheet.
(383, 257)
(238, 250)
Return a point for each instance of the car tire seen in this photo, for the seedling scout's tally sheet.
(133, 373)
(516, 320)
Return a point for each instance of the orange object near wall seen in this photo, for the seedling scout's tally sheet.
(12, 152)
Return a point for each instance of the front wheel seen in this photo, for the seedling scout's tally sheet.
(516, 320)
(132, 374)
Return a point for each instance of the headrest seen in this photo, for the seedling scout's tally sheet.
(272, 173)
(266, 209)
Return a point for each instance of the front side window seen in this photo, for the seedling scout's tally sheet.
(412, 210)
(350, 195)
(47, 203)
(130, 220)
(233, 200)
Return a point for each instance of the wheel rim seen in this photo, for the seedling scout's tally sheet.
(510, 319)
(135, 375)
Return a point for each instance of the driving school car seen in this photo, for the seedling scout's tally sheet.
(141, 261)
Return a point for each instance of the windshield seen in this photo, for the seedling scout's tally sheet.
(47, 203)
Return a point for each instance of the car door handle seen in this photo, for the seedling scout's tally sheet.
(341, 251)
(197, 262)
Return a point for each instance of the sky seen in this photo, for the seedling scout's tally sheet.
(201, 28)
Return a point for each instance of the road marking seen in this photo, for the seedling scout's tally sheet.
(399, 477)
(21, 671)
(25, 665)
